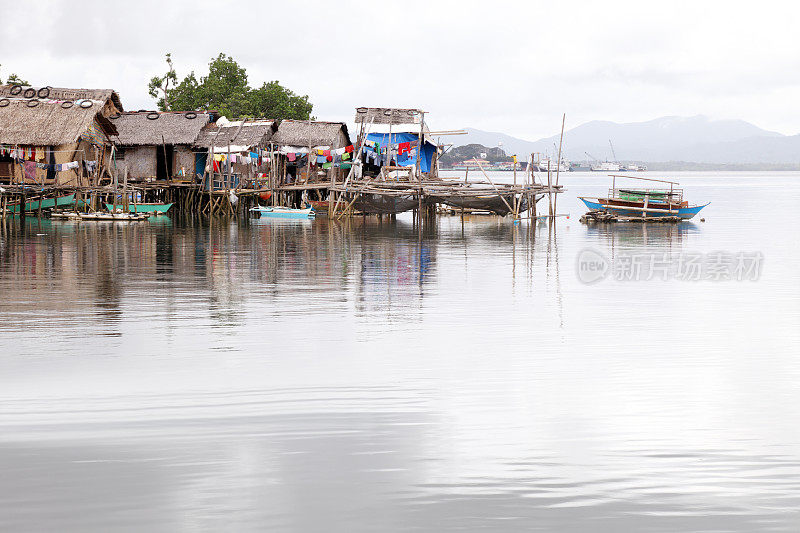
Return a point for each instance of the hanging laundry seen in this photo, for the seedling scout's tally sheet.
(30, 170)
(320, 152)
(329, 157)
(321, 159)
(290, 156)
(348, 149)
(403, 148)
(345, 156)
(327, 165)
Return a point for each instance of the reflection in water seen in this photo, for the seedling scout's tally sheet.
(366, 375)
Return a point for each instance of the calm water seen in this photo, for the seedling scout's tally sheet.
(317, 376)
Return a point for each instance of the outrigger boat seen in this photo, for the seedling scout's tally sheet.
(46, 203)
(154, 209)
(283, 212)
(644, 203)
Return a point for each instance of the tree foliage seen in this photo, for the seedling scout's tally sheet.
(13, 78)
(226, 89)
(161, 83)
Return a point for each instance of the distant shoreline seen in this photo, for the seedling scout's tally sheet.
(674, 166)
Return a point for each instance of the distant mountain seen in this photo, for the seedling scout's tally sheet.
(698, 139)
(474, 151)
(510, 145)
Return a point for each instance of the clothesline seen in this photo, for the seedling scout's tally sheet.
(17, 147)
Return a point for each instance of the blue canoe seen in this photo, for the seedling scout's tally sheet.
(629, 211)
(283, 212)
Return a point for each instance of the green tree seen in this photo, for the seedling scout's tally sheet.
(161, 83)
(275, 101)
(14, 79)
(226, 89)
(186, 95)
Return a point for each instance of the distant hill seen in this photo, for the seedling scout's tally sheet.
(693, 139)
(510, 145)
(474, 151)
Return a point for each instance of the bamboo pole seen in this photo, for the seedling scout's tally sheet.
(558, 163)
(494, 186)
(362, 137)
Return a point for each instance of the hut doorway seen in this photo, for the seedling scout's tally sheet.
(164, 157)
(6, 168)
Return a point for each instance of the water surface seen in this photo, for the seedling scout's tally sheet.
(363, 375)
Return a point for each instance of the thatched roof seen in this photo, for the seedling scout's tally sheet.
(135, 129)
(247, 134)
(387, 115)
(313, 133)
(48, 123)
(61, 94)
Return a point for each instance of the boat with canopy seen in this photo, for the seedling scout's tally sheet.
(644, 203)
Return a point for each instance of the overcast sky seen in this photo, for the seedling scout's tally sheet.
(499, 66)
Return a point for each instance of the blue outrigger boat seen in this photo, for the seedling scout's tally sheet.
(644, 203)
(283, 212)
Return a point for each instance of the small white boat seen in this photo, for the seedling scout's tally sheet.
(543, 165)
(283, 212)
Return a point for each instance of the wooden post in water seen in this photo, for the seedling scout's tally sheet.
(558, 163)
(125, 207)
(115, 178)
(549, 190)
(418, 165)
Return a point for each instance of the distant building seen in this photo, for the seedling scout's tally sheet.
(475, 162)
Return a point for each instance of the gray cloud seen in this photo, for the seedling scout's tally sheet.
(504, 66)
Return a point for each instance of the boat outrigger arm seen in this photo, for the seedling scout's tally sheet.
(644, 203)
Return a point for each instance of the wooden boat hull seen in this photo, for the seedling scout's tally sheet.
(493, 203)
(155, 209)
(320, 206)
(685, 213)
(379, 204)
(283, 212)
(47, 203)
(113, 217)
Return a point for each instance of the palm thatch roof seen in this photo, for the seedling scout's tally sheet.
(136, 129)
(387, 115)
(47, 123)
(310, 133)
(242, 134)
(61, 94)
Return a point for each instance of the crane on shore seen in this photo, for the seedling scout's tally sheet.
(612, 151)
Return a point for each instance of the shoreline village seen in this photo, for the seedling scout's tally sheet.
(78, 154)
